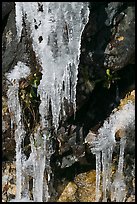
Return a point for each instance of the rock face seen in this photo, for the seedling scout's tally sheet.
(81, 190)
(110, 32)
(6, 8)
(108, 43)
(123, 27)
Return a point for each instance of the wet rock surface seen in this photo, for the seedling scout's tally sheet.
(6, 8)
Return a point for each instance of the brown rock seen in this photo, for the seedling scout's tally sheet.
(68, 194)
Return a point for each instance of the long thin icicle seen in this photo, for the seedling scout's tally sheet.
(38, 145)
(19, 71)
(121, 155)
(105, 174)
(118, 183)
(98, 172)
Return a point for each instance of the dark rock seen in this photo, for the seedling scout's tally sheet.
(121, 49)
(108, 42)
(6, 8)
(12, 50)
(107, 22)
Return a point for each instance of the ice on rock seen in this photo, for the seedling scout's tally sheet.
(103, 146)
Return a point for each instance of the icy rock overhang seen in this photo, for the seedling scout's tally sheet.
(120, 120)
(55, 29)
(102, 145)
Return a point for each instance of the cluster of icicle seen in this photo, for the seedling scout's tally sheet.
(103, 146)
(35, 164)
(55, 29)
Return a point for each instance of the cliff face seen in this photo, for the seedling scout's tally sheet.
(106, 75)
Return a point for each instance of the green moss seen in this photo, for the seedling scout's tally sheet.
(110, 78)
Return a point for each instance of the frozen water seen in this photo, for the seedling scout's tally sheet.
(19, 71)
(104, 144)
(98, 172)
(56, 29)
(118, 184)
(38, 145)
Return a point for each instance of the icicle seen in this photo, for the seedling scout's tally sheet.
(19, 19)
(118, 183)
(110, 152)
(14, 107)
(98, 172)
(38, 155)
(19, 71)
(121, 156)
(25, 179)
(104, 166)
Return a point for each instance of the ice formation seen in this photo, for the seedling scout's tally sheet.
(20, 71)
(118, 184)
(35, 165)
(103, 146)
(55, 29)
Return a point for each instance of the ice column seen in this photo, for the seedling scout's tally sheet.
(19, 71)
(118, 190)
(98, 172)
